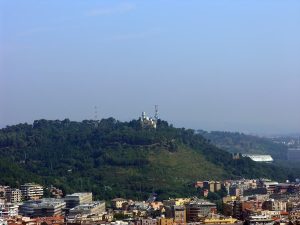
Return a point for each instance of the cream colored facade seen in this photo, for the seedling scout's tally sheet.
(31, 191)
(176, 201)
(117, 203)
(220, 221)
(165, 221)
(13, 195)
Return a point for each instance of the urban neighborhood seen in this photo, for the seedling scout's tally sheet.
(247, 201)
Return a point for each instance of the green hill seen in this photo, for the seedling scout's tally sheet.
(234, 142)
(118, 159)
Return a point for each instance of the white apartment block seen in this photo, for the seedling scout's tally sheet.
(31, 191)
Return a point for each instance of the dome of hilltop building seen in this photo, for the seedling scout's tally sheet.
(149, 122)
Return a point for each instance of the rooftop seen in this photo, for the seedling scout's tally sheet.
(88, 205)
(201, 202)
(78, 194)
(259, 158)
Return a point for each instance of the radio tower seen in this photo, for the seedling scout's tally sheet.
(156, 113)
(96, 114)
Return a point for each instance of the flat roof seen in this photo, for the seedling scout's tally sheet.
(79, 194)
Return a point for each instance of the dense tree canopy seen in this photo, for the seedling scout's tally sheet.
(118, 159)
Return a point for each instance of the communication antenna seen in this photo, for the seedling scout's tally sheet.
(156, 112)
(96, 113)
(96, 116)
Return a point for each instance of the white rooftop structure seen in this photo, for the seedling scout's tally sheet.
(259, 158)
(148, 122)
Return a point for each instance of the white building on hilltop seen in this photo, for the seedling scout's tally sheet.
(148, 122)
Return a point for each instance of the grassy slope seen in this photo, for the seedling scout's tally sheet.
(168, 173)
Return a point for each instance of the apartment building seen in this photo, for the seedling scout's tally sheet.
(13, 195)
(32, 191)
(96, 207)
(76, 199)
(46, 207)
(198, 209)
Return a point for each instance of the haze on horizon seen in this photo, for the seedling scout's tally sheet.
(212, 65)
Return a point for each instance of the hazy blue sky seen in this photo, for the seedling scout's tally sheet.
(215, 64)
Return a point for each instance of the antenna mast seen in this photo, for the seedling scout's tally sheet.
(156, 112)
(96, 114)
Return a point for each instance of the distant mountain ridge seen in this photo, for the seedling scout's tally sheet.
(119, 159)
(235, 142)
